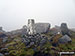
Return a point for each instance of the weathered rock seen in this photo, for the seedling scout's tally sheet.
(24, 30)
(34, 40)
(64, 39)
(55, 30)
(18, 31)
(64, 29)
(1, 30)
(31, 43)
(42, 27)
(6, 54)
(4, 49)
(3, 37)
(1, 54)
(42, 42)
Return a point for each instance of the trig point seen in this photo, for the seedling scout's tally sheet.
(31, 28)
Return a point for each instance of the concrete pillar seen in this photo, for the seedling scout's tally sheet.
(31, 27)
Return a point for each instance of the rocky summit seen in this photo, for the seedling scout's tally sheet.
(37, 39)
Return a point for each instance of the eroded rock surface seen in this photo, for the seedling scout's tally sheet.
(65, 39)
(42, 27)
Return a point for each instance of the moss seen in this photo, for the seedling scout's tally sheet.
(29, 52)
(17, 48)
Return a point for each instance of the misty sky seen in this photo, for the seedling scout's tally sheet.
(15, 13)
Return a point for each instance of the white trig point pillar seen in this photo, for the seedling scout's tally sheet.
(31, 27)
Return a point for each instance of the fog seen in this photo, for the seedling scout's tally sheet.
(15, 13)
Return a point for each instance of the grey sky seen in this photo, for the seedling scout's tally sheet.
(15, 13)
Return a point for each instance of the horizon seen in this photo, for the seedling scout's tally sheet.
(15, 13)
(37, 22)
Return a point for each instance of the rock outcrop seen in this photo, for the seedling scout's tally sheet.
(36, 40)
(1, 54)
(65, 39)
(4, 37)
(42, 27)
(1, 30)
(64, 29)
(18, 31)
(55, 30)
